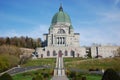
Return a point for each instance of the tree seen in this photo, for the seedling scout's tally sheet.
(2, 41)
(110, 74)
(8, 41)
(6, 76)
(26, 42)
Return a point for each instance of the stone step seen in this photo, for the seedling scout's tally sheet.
(59, 78)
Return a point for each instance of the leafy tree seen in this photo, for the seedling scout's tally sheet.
(2, 41)
(8, 40)
(26, 42)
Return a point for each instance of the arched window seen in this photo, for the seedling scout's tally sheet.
(66, 53)
(54, 53)
(48, 53)
(61, 31)
(72, 53)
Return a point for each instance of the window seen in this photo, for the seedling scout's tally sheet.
(72, 53)
(54, 53)
(66, 53)
(48, 53)
(61, 31)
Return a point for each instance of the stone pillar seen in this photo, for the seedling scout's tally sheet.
(58, 41)
(62, 39)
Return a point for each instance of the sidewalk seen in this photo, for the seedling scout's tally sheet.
(59, 78)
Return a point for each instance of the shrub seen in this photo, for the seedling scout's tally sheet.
(6, 76)
(110, 74)
(84, 78)
(38, 77)
(72, 75)
(7, 61)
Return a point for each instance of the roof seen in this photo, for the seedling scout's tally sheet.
(61, 16)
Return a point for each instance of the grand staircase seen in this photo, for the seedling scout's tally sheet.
(59, 71)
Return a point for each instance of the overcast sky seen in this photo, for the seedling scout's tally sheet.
(97, 21)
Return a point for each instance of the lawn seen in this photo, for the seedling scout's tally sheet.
(40, 62)
(76, 63)
(93, 77)
(29, 75)
(93, 63)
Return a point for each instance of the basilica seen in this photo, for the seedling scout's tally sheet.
(61, 39)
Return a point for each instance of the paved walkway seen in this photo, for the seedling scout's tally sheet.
(16, 70)
(60, 78)
(59, 72)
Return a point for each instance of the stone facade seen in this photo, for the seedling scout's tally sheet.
(104, 51)
(51, 52)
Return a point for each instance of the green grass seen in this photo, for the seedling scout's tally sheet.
(29, 75)
(73, 59)
(40, 62)
(20, 77)
(79, 75)
(93, 77)
(93, 63)
(77, 63)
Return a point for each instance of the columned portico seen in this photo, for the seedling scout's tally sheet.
(60, 41)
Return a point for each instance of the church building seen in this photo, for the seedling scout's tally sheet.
(61, 38)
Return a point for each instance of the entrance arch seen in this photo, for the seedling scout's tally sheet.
(41, 55)
(60, 53)
(72, 53)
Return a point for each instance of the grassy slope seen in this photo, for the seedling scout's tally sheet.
(29, 76)
(93, 77)
(93, 63)
(73, 63)
(40, 62)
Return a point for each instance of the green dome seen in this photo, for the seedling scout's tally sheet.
(61, 16)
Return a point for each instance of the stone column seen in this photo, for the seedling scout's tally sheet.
(58, 40)
(62, 39)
